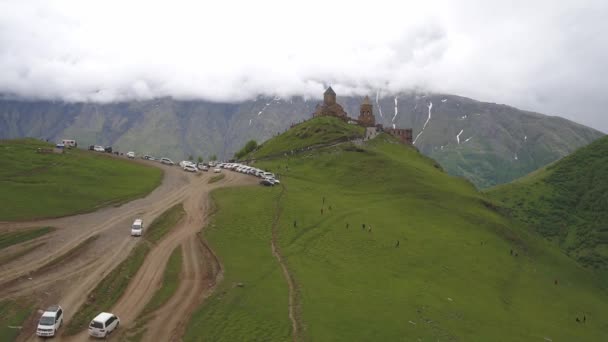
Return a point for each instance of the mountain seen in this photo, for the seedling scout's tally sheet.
(567, 203)
(487, 143)
(373, 241)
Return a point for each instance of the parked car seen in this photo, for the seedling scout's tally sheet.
(108, 149)
(69, 142)
(50, 321)
(266, 182)
(186, 162)
(91, 147)
(190, 168)
(137, 228)
(167, 161)
(217, 170)
(103, 324)
(98, 148)
(205, 168)
(131, 155)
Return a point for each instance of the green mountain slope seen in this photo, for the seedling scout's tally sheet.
(567, 202)
(321, 131)
(37, 185)
(382, 245)
(487, 143)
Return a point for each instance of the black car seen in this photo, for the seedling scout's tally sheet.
(266, 182)
(91, 147)
(108, 149)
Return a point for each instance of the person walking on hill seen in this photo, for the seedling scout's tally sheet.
(397, 244)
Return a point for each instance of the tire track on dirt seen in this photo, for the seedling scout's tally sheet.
(276, 251)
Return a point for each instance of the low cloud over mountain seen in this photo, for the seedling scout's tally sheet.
(543, 56)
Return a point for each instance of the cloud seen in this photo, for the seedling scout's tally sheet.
(546, 56)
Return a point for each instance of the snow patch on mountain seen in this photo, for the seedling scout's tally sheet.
(396, 110)
(426, 123)
(458, 136)
(378, 103)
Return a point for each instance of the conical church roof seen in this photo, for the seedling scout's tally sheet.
(366, 100)
(330, 91)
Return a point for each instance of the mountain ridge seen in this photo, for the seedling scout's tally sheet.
(499, 142)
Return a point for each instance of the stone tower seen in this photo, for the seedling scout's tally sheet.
(366, 114)
(329, 97)
(330, 107)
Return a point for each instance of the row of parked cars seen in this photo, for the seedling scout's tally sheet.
(267, 178)
(52, 318)
(190, 166)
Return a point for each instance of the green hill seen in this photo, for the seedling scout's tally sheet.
(382, 245)
(567, 202)
(37, 185)
(321, 131)
(487, 143)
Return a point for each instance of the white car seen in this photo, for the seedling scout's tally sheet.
(137, 229)
(217, 170)
(167, 161)
(190, 168)
(131, 155)
(98, 148)
(103, 325)
(186, 162)
(50, 321)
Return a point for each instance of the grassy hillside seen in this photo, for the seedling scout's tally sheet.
(567, 202)
(240, 235)
(317, 131)
(384, 246)
(36, 185)
(498, 143)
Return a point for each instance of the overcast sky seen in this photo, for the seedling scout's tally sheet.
(547, 56)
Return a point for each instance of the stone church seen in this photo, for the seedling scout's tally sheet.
(330, 107)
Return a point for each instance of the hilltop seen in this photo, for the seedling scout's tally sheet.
(566, 202)
(41, 185)
(487, 143)
(374, 241)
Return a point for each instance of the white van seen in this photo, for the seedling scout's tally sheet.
(50, 321)
(137, 229)
(103, 325)
(69, 143)
(131, 155)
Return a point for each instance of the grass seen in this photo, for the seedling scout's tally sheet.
(452, 277)
(111, 288)
(162, 224)
(163, 294)
(66, 184)
(15, 237)
(566, 203)
(317, 131)
(240, 235)
(12, 315)
(170, 282)
(216, 178)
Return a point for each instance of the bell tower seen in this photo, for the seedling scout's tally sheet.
(329, 97)
(366, 113)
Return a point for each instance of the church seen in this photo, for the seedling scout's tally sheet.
(330, 107)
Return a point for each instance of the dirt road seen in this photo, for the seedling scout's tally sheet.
(69, 280)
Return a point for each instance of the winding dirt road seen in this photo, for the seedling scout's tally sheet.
(38, 274)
